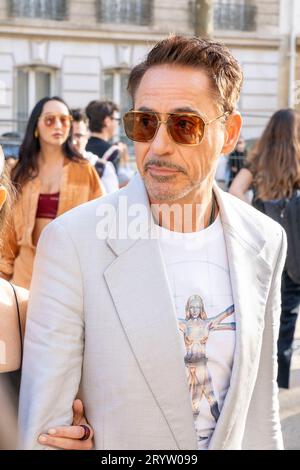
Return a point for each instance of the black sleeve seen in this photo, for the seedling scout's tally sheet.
(99, 167)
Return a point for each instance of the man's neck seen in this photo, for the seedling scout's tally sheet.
(101, 135)
(189, 214)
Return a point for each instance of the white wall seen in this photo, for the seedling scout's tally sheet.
(78, 66)
(259, 99)
(287, 15)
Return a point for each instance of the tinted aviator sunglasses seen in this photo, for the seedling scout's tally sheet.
(50, 119)
(183, 128)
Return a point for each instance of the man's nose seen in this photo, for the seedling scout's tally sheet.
(162, 142)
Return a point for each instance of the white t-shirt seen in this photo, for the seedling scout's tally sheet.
(198, 272)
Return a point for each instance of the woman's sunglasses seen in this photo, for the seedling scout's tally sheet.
(183, 128)
(49, 120)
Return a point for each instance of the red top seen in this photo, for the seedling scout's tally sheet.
(47, 206)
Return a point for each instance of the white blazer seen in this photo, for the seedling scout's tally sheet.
(102, 324)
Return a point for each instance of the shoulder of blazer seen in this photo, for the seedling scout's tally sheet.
(255, 219)
(252, 226)
(87, 214)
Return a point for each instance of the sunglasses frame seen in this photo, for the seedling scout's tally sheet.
(159, 122)
(43, 116)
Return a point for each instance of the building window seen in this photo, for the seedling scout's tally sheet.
(138, 12)
(33, 84)
(115, 89)
(46, 9)
(233, 15)
(237, 15)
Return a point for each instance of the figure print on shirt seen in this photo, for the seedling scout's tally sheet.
(196, 328)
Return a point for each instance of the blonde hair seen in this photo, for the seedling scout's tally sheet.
(5, 181)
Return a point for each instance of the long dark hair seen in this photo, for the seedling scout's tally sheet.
(275, 159)
(27, 165)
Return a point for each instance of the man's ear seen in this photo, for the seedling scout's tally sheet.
(233, 128)
(3, 196)
(106, 121)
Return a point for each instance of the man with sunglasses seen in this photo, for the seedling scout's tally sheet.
(123, 271)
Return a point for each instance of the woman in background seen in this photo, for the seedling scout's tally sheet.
(273, 172)
(13, 304)
(50, 177)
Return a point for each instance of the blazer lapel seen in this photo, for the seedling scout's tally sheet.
(140, 290)
(250, 279)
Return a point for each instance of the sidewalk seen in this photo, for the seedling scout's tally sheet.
(290, 400)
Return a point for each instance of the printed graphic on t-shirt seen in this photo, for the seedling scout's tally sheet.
(198, 273)
(196, 328)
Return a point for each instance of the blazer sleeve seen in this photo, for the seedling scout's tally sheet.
(53, 347)
(263, 429)
(9, 250)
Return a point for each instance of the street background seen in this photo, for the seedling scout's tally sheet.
(83, 50)
(290, 401)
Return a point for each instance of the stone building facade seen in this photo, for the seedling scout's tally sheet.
(84, 49)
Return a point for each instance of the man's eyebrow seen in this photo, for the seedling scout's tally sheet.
(184, 109)
(144, 108)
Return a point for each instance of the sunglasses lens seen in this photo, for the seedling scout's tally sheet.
(140, 126)
(50, 120)
(65, 120)
(186, 129)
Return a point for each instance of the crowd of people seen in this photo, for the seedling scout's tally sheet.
(60, 166)
(267, 176)
(113, 325)
(272, 173)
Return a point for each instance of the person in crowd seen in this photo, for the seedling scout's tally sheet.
(10, 162)
(162, 322)
(103, 117)
(51, 177)
(104, 168)
(273, 171)
(221, 175)
(13, 305)
(125, 172)
(103, 124)
(8, 419)
(237, 159)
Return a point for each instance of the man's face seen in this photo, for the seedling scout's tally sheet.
(168, 89)
(112, 124)
(80, 135)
